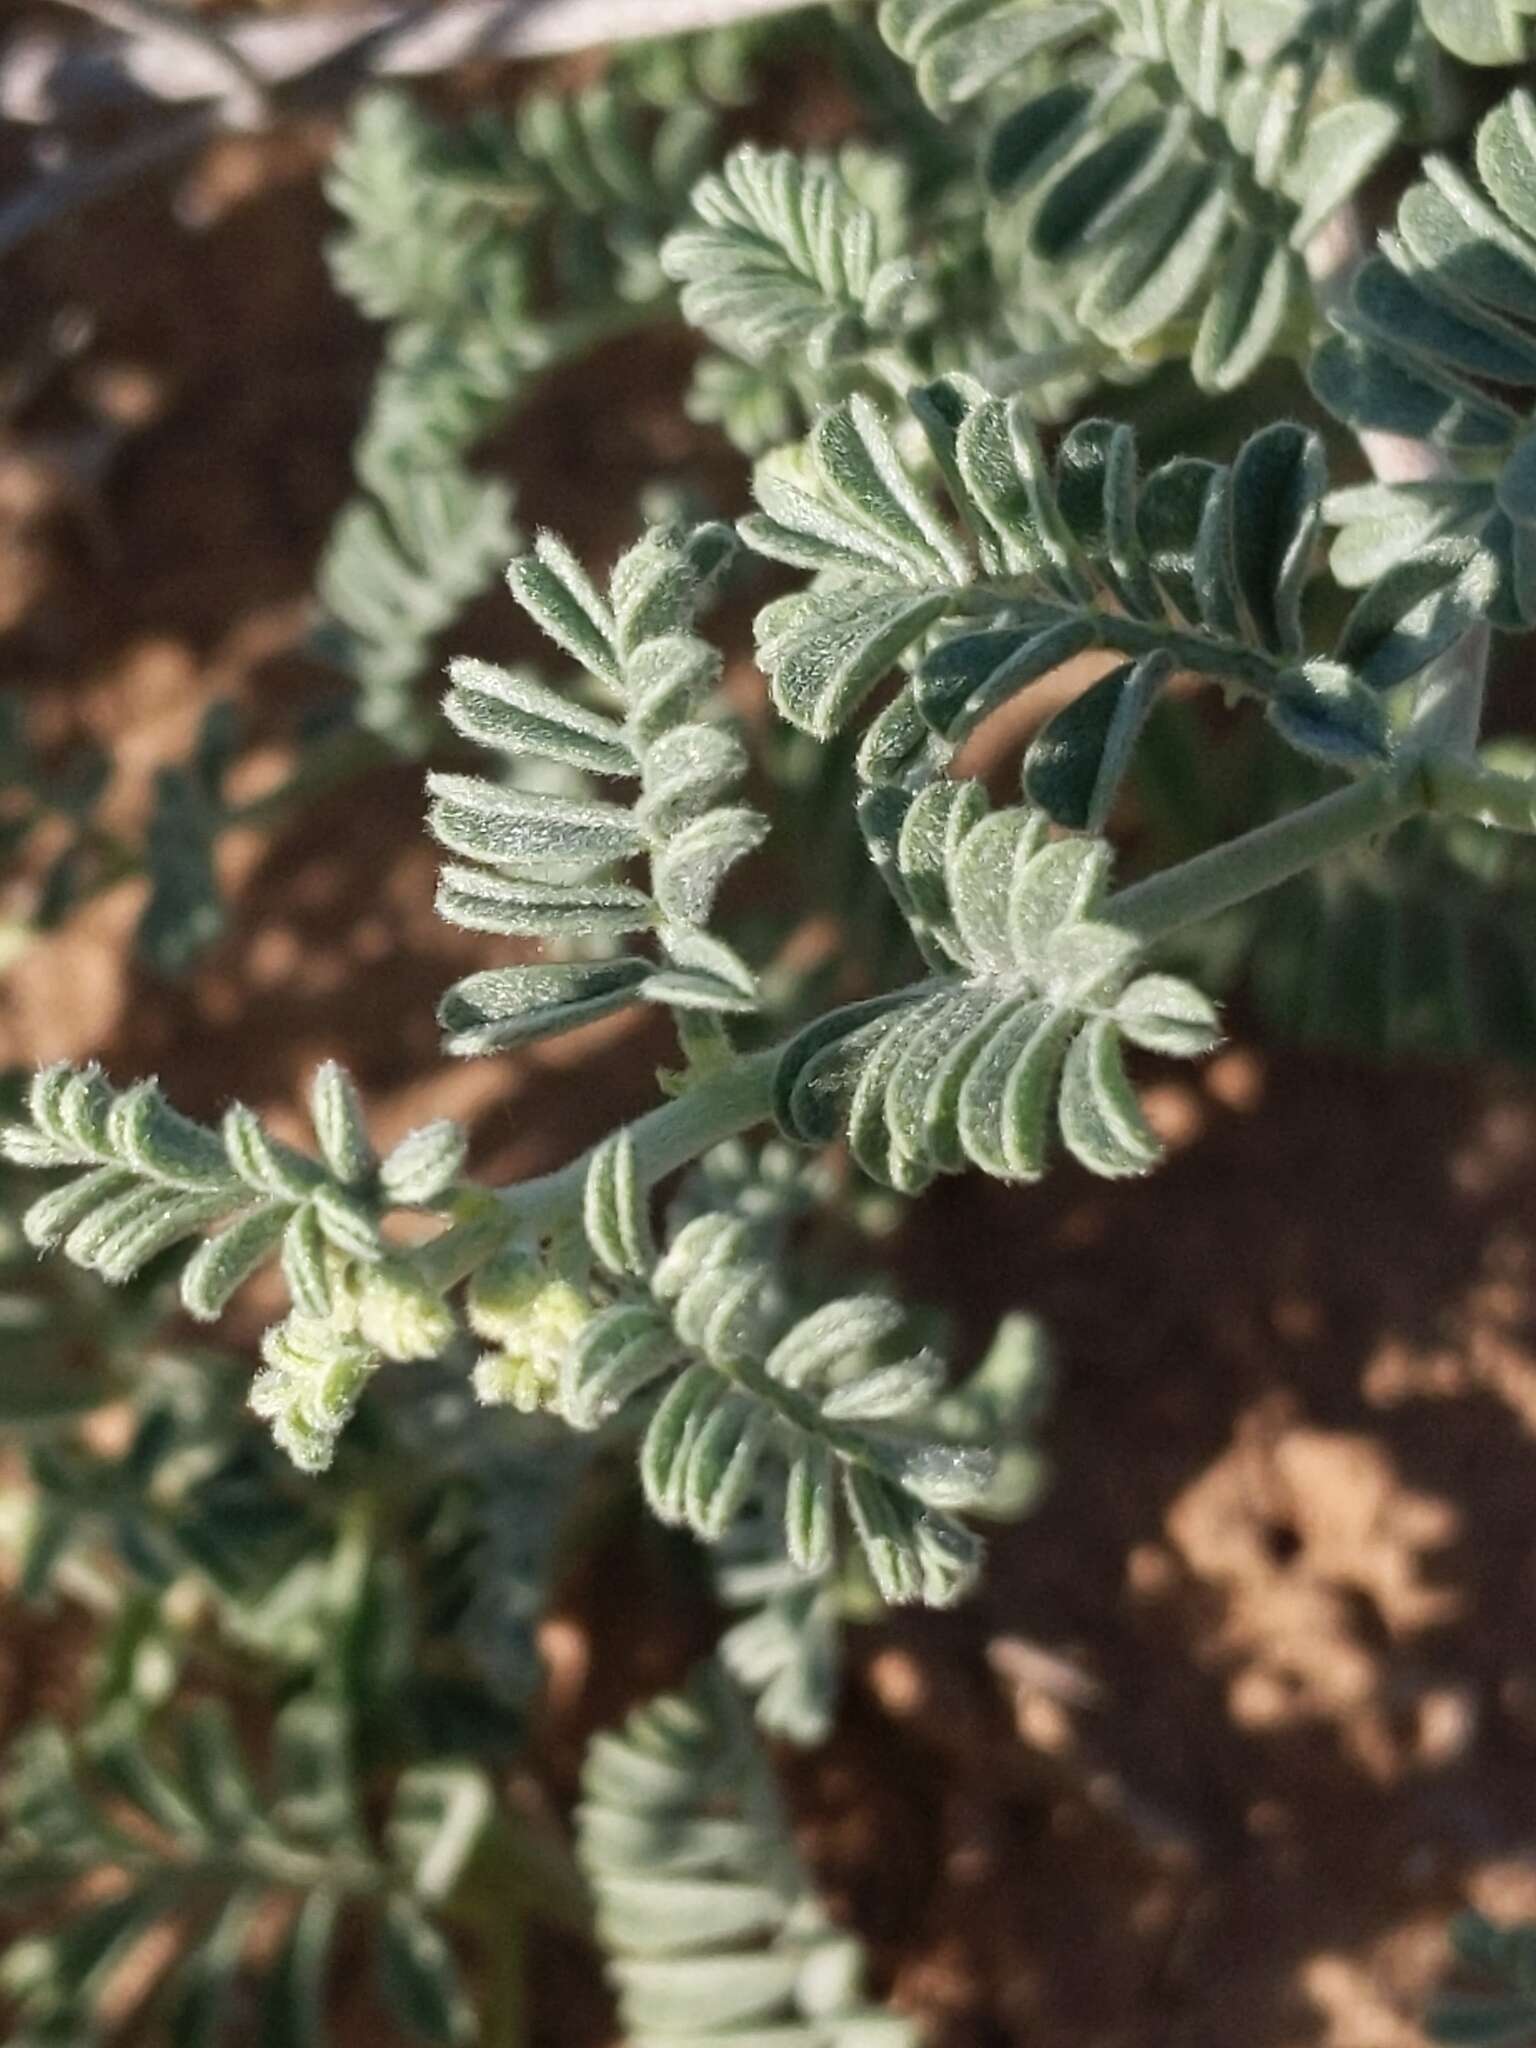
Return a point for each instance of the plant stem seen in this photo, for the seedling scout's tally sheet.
(1261, 859)
(665, 1138)
(1486, 796)
(733, 1101)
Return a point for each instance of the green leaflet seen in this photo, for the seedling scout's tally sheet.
(461, 239)
(711, 1930)
(1030, 1016)
(785, 258)
(1481, 31)
(541, 864)
(1435, 343)
(833, 1405)
(401, 564)
(145, 1179)
(1194, 567)
(175, 1808)
(1172, 187)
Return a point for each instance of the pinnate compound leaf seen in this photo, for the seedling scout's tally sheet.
(538, 864)
(1165, 162)
(784, 258)
(1195, 567)
(964, 1070)
(708, 1921)
(829, 1412)
(1434, 343)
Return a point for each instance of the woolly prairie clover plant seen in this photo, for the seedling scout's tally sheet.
(919, 346)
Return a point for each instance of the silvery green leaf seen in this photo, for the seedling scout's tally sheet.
(123, 1234)
(1101, 1120)
(885, 1521)
(723, 1463)
(1164, 1014)
(709, 1922)
(658, 1915)
(348, 1223)
(688, 870)
(824, 650)
(439, 1816)
(266, 1165)
(509, 710)
(73, 1106)
(1074, 768)
(1342, 145)
(1196, 39)
(340, 1125)
(425, 1165)
(616, 1208)
(482, 901)
(946, 1475)
(1478, 31)
(1150, 280)
(1011, 1070)
(959, 51)
(659, 584)
(963, 679)
(686, 770)
(852, 1332)
(507, 1006)
(227, 1260)
(1450, 229)
(1278, 482)
(556, 592)
(666, 681)
(1381, 524)
(888, 1392)
(157, 1141)
(1506, 154)
(1170, 514)
(528, 827)
(1324, 710)
(1251, 296)
(847, 499)
(915, 848)
(48, 1220)
(1367, 386)
(991, 873)
(966, 1070)
(810, 1509)
(1415, 611)
(670, 1437)
(703, 973)
(621, 1351)
(24, 1146)
(1431, 325)
(306, 1267)
(784, 259)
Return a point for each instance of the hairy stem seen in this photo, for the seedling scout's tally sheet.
(665, 1138)
(1262, 859)
(734, 1100)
